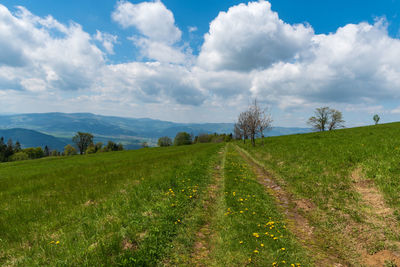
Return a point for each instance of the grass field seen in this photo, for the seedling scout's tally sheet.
(351, 180)
(319, 199)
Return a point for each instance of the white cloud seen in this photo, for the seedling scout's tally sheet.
(251, 36)
(357, 64)
(152, 19)
(158, 34)
(152, 82)
(39, 53)
(248, 52)
(107, 40)
(192, 29)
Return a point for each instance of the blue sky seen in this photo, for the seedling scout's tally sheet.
(202, 66)
(324, 16)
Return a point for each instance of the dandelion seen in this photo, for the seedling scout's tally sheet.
(282, 248)
(240, 242)
(256, 251)
(256, 235)
(241, 211)
(57, 242)
(262, 245)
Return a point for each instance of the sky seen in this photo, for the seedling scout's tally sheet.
(201, 61)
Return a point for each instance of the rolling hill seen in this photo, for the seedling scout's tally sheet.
(31, 138)
(317, 199)
(129, 131)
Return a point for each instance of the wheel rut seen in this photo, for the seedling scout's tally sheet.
(202, 246)
(293, 209)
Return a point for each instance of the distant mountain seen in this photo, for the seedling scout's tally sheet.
(31, 138)
(130, 131)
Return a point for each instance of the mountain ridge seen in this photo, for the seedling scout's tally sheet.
(129, 131)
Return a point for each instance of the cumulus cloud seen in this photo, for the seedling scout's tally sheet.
(40, 53)
(158, 34)
(251, 36)
(248, 52)
(152, 19)
(356, 64)
(153, 82)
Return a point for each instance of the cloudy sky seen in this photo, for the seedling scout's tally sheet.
(201, 61)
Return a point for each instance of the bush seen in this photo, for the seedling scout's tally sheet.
(164, 141)
(69, 150)
(34, 153)
(182, 138)
(204, 138)
(19, 156)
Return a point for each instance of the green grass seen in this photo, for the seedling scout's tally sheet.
(98, 204)
(250, 228)
(318, 166)
(328, 159)
(149, 207)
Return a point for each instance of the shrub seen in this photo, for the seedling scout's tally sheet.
(19, 156)
(182, 138)
(164, 141)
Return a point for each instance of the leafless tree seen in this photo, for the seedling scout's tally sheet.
(243, 125)
(237, 133)
(265, 123)
(336, 120)
(326, 119)
(253, 121)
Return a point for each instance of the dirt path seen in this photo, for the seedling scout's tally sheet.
(202, 246)
(381, 224)
(294, 210)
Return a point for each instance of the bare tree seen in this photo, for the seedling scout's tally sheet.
(237, 133)
(326, 119)
(243, 125)
(320, 120)
(265, 123)
(252, 122)
(336, 119)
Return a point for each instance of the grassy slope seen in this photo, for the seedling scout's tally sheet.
(319, 167)
(146, 207)
(250, 228)
(101, 207)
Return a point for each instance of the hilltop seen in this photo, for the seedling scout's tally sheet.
(316, 199)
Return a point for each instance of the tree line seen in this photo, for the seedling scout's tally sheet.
(83, 144)
(184, 138)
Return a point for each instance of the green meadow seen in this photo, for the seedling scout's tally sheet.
(319, 199)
